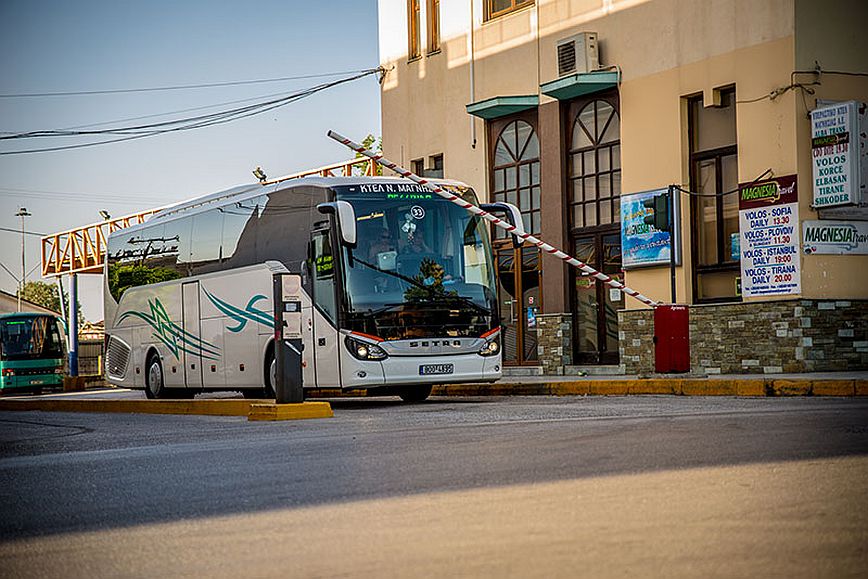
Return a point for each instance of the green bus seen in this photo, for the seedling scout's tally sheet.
(32, 352)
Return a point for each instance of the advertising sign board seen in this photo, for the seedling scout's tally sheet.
(768, 220)
(835, 154)
(641, 243)
(835, 237)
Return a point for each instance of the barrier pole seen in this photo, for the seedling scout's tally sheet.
(551, 250)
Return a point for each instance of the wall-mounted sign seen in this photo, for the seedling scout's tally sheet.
(835, 154)
(835, 237)
(641, 243)
(769, 246)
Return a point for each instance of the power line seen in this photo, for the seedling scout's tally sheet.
(179, 87)
(142, 131)
(73, 196)
(18, 231)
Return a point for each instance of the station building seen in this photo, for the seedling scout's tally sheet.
(578, 111)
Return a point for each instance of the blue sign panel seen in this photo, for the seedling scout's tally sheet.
(641, 243)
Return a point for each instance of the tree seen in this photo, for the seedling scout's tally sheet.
(46, 295)
(376, 145)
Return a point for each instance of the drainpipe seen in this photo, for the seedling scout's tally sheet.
(472, 79)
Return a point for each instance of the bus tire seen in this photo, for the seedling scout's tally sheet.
(414, 394)
(154, 387)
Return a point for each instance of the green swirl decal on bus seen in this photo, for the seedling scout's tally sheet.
(248, 314)
(173, 336)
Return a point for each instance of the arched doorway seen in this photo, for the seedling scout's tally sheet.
(594, 162)
(515, 178)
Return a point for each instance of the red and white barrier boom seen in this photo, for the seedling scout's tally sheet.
(489, 217)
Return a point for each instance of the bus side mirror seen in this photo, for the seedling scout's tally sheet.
(346, 219)
(509, 213)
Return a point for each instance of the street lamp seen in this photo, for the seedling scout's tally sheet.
(22, 213)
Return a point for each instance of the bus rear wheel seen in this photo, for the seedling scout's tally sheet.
(414, 394)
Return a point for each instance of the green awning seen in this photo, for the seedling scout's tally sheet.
(580, 84)
(501, 106)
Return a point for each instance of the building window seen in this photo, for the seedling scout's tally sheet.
(515, 173)
(414, 48)
(435, 166)
(418, 167)
(595, 166)
(714, 170)
(433, 12)
(495, 8)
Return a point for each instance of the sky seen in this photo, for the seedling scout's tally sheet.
(92, 45)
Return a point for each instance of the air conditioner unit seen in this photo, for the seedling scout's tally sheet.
(578, 53)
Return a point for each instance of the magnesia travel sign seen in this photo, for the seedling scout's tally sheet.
(835, 237)
(835, 143)
(768, 220)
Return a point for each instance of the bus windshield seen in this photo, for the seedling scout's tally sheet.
(30, 337)
(421, 267)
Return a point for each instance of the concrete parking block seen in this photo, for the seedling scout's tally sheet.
(296, 411)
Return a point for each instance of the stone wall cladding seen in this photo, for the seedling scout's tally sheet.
(555, 342)
(791, 336)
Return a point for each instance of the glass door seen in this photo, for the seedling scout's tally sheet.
(520, 302)
(595, 304)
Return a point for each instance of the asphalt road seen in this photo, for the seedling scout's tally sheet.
(593, 486)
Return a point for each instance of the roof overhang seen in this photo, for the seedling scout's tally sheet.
(569, 87)
(501, 106)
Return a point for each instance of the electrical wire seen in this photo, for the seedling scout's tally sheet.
(179, 87)
(736, 190)
(142, 131)
(18, 231)
(37, 193)
(151, 116)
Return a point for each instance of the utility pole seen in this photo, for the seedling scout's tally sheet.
(22, 213)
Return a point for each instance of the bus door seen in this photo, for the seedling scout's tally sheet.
(192, 325)
(326, 339)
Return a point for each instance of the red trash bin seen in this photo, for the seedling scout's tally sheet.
(671, 339)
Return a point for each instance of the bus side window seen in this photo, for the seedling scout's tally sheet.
(323, 268)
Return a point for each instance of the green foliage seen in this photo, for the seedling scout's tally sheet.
(46, 295)
(376, 145)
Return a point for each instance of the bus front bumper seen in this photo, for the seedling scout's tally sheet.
(400, 370)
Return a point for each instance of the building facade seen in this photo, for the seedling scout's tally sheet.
(581, 112)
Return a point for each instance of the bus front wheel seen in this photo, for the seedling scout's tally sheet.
(415, 393)
(154, 387)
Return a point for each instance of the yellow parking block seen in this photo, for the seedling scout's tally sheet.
(295, 411)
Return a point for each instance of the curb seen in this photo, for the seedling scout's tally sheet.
(231, 407)
(769, 387)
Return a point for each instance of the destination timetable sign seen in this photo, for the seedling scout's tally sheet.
(835, 154)
(768, 226)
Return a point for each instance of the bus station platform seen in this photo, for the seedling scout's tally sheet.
(118, 400)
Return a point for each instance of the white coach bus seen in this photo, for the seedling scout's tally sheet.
(398, 290)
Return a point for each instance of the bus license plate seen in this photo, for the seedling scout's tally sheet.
(429, 369)
(36, 382)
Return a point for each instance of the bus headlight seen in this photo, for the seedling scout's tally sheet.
(491, 347)
(363, 350)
